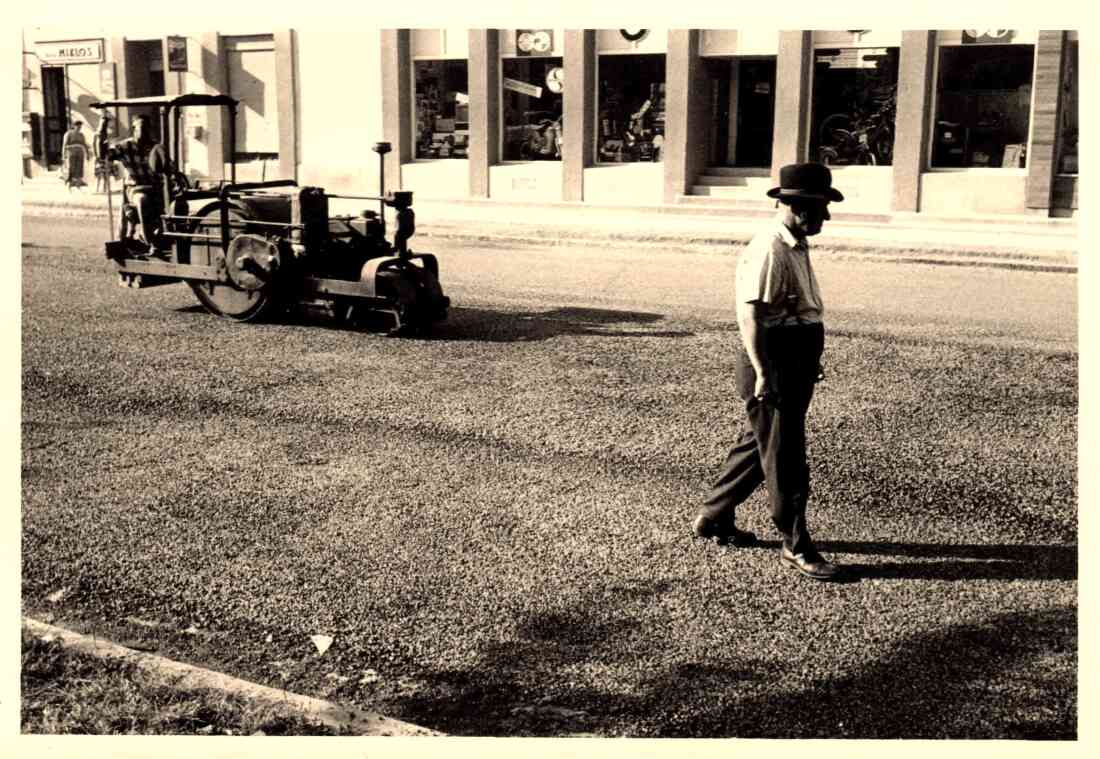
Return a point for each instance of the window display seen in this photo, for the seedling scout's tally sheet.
(442, 109)
(631, 103)
(1067, 160)
(983, 106)
(854, 105)
(531, 103)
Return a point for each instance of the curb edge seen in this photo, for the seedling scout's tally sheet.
(359, 722)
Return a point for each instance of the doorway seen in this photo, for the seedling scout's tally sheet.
(742, 111)
(755, 113)
(145, 78)
(56, 112)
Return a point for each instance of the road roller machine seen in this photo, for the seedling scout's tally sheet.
(251, 249)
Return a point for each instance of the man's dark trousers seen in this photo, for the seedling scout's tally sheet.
(772, 446)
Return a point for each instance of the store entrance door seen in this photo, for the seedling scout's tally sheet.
(755, 115)
(742, 105)
(56, 112)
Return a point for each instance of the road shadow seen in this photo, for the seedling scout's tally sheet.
(486, 325)
(527, 326)
(930, 685)
(946, 561)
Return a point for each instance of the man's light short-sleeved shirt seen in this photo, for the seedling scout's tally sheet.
(774, 269)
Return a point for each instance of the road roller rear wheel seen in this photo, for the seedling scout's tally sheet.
(219, 298)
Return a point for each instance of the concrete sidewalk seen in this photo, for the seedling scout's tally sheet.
(1030, 242)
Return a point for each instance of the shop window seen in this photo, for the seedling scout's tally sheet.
(442, 109)
(983, 106)
(631, 103)
(854, 105)
(1067, 158)
(531, 101)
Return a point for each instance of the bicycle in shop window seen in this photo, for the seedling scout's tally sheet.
(862, 139)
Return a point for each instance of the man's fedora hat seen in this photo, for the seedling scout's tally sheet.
(805, 180)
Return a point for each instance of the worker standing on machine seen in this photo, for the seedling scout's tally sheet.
(147, 164)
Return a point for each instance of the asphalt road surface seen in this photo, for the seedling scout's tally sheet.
(963, 303)
(491, 524)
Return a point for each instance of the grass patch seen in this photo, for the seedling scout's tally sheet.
(68, 692)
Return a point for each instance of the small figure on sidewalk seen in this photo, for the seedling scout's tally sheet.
(74, 149)
(779, 315)
(104, 168)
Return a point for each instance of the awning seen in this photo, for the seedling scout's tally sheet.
(188, 99)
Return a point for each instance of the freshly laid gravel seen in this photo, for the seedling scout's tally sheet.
(492, 523)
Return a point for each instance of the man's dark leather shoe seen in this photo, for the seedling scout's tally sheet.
(705, 527)
(810, 564)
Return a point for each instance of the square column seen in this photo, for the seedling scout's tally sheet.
(396, 102)
(484, 68)
(578, 111)
(792, 99)
(1046, 111)
(686, 113)
(286, 103)
(212, 72)
(914, 113)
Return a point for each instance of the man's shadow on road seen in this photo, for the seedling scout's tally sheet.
(946, 561)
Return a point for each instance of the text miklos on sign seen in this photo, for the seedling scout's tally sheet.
(74, 51)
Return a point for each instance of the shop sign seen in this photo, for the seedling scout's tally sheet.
(534, 41)
(852, 57)
(523, 87)
(986, 36)
(177, 53)
(76, 51)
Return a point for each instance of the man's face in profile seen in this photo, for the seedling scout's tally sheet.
(810, 215)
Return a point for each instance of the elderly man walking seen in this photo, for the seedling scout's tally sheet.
(779, 314)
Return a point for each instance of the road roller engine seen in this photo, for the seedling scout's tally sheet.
(250, 249)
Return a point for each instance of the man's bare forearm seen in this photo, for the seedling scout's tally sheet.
(752, 336)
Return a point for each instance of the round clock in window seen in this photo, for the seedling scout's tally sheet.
(555, 79)
(540, 42)
(633, 35)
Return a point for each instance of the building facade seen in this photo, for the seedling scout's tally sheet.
(933, 122)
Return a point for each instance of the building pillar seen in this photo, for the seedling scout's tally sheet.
(118, 59)
(396, 102)
(212, 71)
(484, 68)
(172, 84)
(913, 116)
(578, 111)
(286, 103)
(1046, 114)
(793, 65)
(686, 110)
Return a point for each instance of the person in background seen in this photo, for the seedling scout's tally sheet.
(74, 148)
(780, 318)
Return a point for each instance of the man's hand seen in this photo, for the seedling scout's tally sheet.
(764, 389)
(820, 373)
